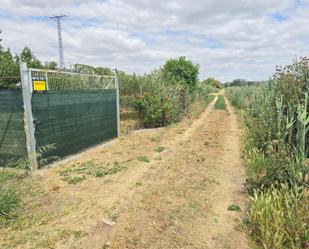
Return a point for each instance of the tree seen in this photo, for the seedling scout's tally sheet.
(82, 68)
(181, 71)
(51, 65)
(9, 72)
(212, 82)
(238, 82)
(104, 71)
(28, 57)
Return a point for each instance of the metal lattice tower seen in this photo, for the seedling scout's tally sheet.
(60, 44)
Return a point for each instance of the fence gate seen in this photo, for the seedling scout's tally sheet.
(67, 112)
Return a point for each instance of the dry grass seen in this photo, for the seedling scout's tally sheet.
(170, 202)
(186, 204)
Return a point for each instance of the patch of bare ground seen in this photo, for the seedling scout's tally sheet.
(186, 204)
(167, 188)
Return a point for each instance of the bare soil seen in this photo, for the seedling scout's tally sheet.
(177, 198)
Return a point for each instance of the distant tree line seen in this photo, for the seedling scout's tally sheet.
(243, 82)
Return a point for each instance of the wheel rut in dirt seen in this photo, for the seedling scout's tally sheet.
(185, 203)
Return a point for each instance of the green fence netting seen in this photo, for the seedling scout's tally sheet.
(69, 121)
(12, 134)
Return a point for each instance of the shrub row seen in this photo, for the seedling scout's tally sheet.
(276, 119)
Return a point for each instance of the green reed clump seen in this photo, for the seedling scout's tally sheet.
(278, 217)
(11, 191)
(275, 146)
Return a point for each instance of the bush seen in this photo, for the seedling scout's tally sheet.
(154, 111)
(266, 170)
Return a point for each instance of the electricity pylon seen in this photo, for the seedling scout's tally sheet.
(60, 44)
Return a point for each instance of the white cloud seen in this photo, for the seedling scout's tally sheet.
(228, 38)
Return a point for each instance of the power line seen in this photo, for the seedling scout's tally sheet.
(60, 43)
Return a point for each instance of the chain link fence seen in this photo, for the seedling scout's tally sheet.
(53, 114)
(12, 133)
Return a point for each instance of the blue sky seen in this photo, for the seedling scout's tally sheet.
(229, 39)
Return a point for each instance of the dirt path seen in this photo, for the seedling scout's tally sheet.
(178, 199)
(185, 205)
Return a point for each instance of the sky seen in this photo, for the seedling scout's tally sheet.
(229, 39)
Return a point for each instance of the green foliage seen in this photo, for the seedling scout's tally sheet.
(104, 71)
(154, 111)
(212, 82)
(220, 103)
(10, 192)
(242, 97)
(9, 200)
(27, 56)
(9, 70)
(143, 159)
(117, 167)
(205, 89)
(276, 120)
(78, 172)
(130, 84)
(9, 66)
(52, 65)
(279, 218)
(75, 179)
(162, 99)
(181, 71)
(292, 81)
(159, 149)
(234, 207)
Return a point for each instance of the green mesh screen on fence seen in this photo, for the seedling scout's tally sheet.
(69, 121)
(12, 134)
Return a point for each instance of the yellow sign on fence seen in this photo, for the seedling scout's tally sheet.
(39, 84)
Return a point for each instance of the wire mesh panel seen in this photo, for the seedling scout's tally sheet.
(76, 112)
(12, 135)
(59, 80)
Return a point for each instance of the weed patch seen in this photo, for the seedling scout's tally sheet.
(155, 139)
(278, 217)
(78, 172)
(234, 207)
(10, 194)
(143, 159)
(159, 149)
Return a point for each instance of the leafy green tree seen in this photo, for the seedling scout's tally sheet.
(238, 82)
(104, 71)
(181, 71)
(28, 57)
(9, 72)
(212, 82)
(51, 65)
(82, 68)
(129, 83)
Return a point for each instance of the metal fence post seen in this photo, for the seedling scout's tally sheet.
(25, 76)
(117, 101)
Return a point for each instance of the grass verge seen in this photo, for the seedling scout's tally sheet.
(220, 103)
